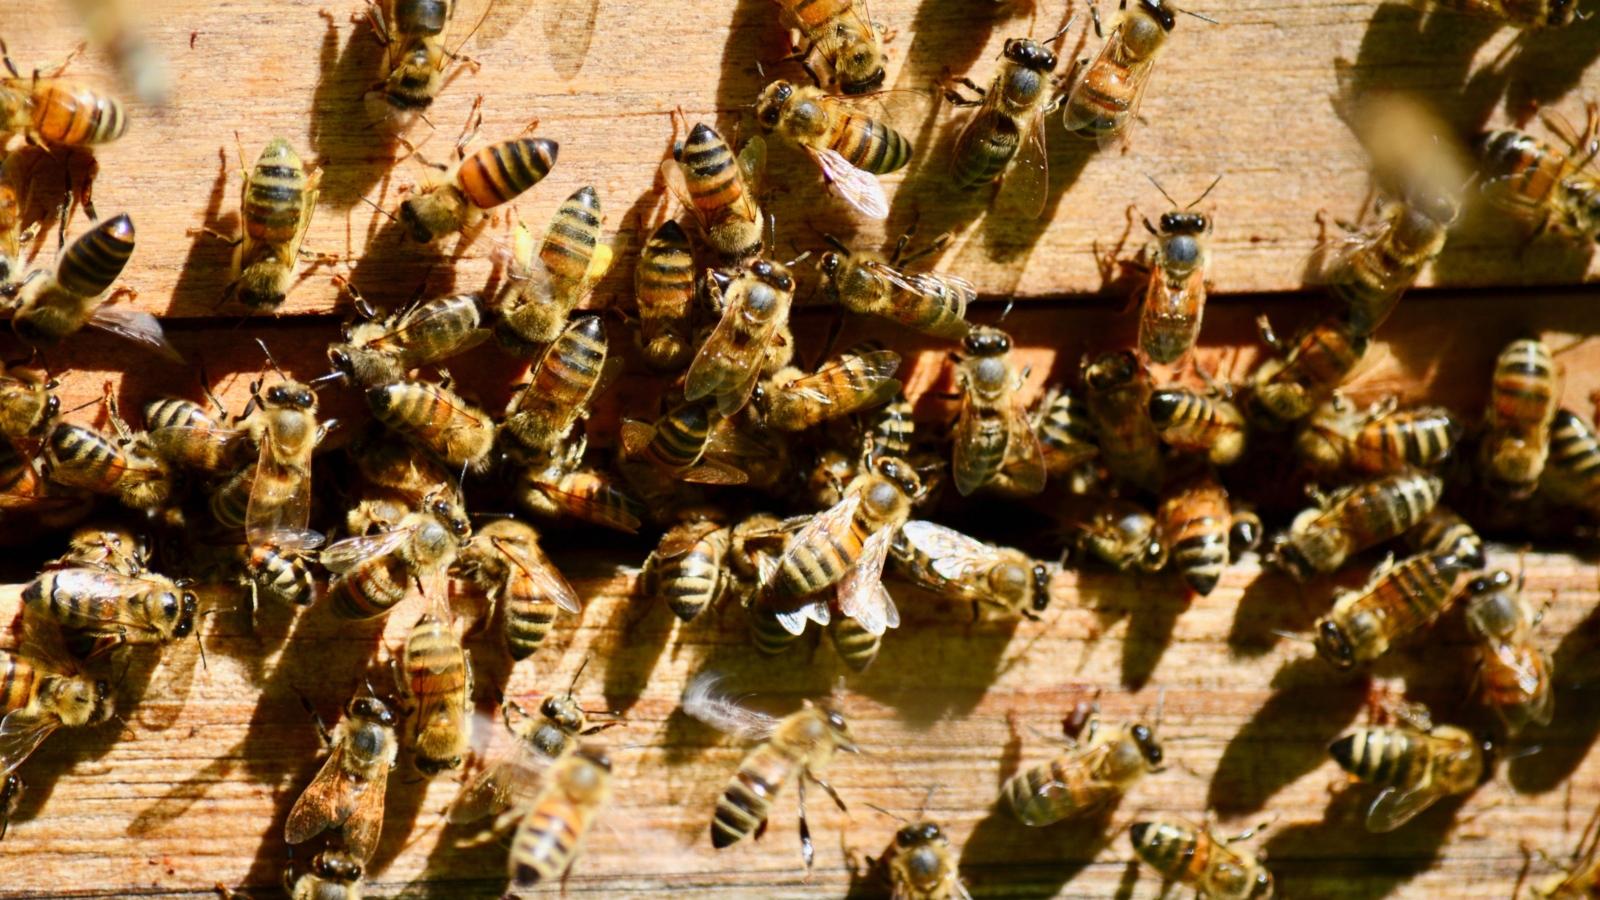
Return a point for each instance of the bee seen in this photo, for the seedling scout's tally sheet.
(43, 690)
(1124, 535)
(25, 490)
(542, 290)
(849, 147)
(719, 189)
(126, 467)
(799, 746)
(844, 37)
(1209, 423)
(565, 381)
(565, 487)
(49, 307)
(1198, 526)
(347, 792)
(1446, 533)
(1515, 673)
(1415, 762)
(51, 111)
(282, 423)
(1540, 185)
(947, 562)
(921, 866)
(28, 403)
(1087, 778)
(437, 419)
(281, 574)
(1523, 399)
(1573, 473)
(870, 284)
(493, 175)
(278, 200)
(412, 34)
(1580, 879)
(1005, 138)
(856, 646)
(1194, 857)
(992, 432)
(1175, 295)
(435, 682)
(11, 230)
(397, 478)
(1288, 389)
(1106, 97)
(1118, 394)
(1516, 13)
(687, 442)
(688, 569)
(755, 319)
(184, 434)
(794, 401)
(663, 284)
(576, 788)
(505, 561)
(1379, 440)
(374, 572)
(1398, 600)
(138, 609)
(382, 351)
(111, 548)
(1371, 268)
(1352, 519)
(333, 875)
(1065, 431)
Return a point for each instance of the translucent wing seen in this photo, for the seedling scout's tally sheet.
(104, 590)
(1397, 806)
(702, 701)
(953, 555)
(1091, 793)
(752, 163)
(672, 175)
(826, 527)
(927, 284)
(858, 188)
(510, 780)
(729, 362)
(794, 620)
(134, 325)
(710, 471)
(20, 735)
(604, 505)
(527, 273)
(969, 470)
(428, 318)
(325, 802)
(1139, 75)
(1024, 459)
(280, 500)
(861, 593)
(1026, 182)
(543, 577)
(364, 821)
(289, 253)
(345, 555)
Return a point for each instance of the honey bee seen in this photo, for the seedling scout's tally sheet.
(382, 351)
(1524, 396)
(542, 290)
(333, 875)
(1515, 673)
(1373, 266)
(992, 432)
(565, 487)
(1540, 185)
(1200, 529)
(869, 284)
(28, 403)
(25, 490)
(1124, 535)
(850, 148)
(100, 603)
(1209, 423)
(1580, 878)
(435, 682)
(794, 401)
(921, 866)
(44, 690)
(347, 792)
(947, 562)
(1288, 389)
(282, 422)
(112, 548)
(281, 574)
(663, 284)
(565, 381)
(687, 443)
(841, 34)
(412, 34)
(505, 561)
(1516, 13)
(184, 434)
(11, 231)
(1175, 295)
(1398, 601)
(719, 189)
(1197, 858)
(126, 467)
(374, 572)
(1065, 431)
(688, 570)
(576, 788)
(1573, 473)
(755, 319)
(754, 547)
(397, 479)
(437, 419)
(1087, 778)
(1443, 532)
(47, 110)
(1005, 138)
(1106, 96)
(1352, 519)
(1415, 762)
(798, 746)
(49, 307)
(493, 175)
(1118, 394)
(1379, 440)
(278, 200)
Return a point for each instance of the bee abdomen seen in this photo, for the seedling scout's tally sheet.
(1574, 459)
(1379, 756)
(368, 591)
(573, 235)
(857, 646)
(769, 637)
(979, 159)
(573, 363)
(1166, 847)
(17, 679)
(82, 457)
(544, 845)
(500, 172)
(743, 805)
(527, 623)
(421, 17)
(1414, 438)
(871, 146)
(75, 115)
(275, 195)
(1032, 803)
(92, 262)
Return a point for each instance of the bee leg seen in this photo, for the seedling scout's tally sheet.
(831, 792)
(1270, 337)
(807, 851)
(373, 17)
(323, 734)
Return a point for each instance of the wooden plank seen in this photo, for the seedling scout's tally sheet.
(299, 69)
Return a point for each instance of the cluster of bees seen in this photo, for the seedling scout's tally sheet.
(835, 475)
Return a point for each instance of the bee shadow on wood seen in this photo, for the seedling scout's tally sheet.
(202, 279)
(1566, 741)
(1003, 855)
(644, 628)
(568, 31)
(355, 152)
(1265, 608)
(1151, 606)
(393, 266)
(1551, 62)
(754, 44)
(959, 654)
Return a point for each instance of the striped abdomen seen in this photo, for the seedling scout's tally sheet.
(1199, 422)
(985, 148)
(1443, 531)
(284, 578)
(744, 804)
(75, 115)
(1383, 756)
(1169, 318)
(435, 417)
(1380, 510)
(19, 680)
(92, 263)
(1180, 853)
(663, 284)
(680, 437)
(810, 567)
(569, 244)
(711, 172)
(1573, 473)
(1324, 356)
(186, 435)
(1066, 434)
(1410, 438)
(370, 589)
(561, 385)
(893, 428)
(433, 331)
(1049, 792)
(692, 580)
(857, 646)
(529, 614)
(1100, 103)
(1195, 522)
(1523, 167)
(1517, 684)
(1401, 602)
(85, 458)
(275, 195)
(583, 494)
(768, 635)
(436, 673)
(984, 435)
(499, 172)
(813, 14)
(868, 144)
(1524, 393)
(546, 841)
(89, 599)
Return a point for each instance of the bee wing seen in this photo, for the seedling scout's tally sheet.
(1330, 261)
(1139, 74)
(1024, 459)
(702, 701)
(530, 274)
(825, 526)
(711, 471)
(509, 781)
(547, 581)
(858, 188)
(20, 735)
(324, 803)
(1396, 806)
(752, 163)
(636, 435)
(862, 595)
(344, 555)
(419, 321)
(672, 175)
(591, 510)
(963, 464)
(364, 821)
(727, 366)
(925, 284)
(289, 253)
(134, 325)
(1026, 182)
(275, 515)
(953, 554)
(877, 368)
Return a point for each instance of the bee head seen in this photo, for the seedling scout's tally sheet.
(1498, 580)
(373, 710)
(185, 615)
(1030, 54)
(1160, 12)
(918, 833)
(1185, 222)
(1111, 370)
(1334, 646)
(829, 263)
(775, 274)
(1041, 587)
(1149, 748)
(769, 106)
(330, 867)
(1561, 13)
(986, 342)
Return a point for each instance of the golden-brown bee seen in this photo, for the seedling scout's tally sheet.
(11, 230)
(755, 303)
(1352, 519)
(543, 412)
(1540, 185)
(1005, 138)
(333, 875)
(505, 561)
(184, 434)
(1175, 296)
(493, 175)
(992, 432)
(282, 423)
(1286, 389)
(1415, 762)
(28, 403)
(850, 148)
(1444, 532)
(1209, 423)
(103, 604)
(1107, 94)
(1118, 392)
(412, 33)
(280, 574)
(375, 572)
(1573, 473)
(126, 467)
(843, 36)
(1065, 431)
(380, 351)
(576, 788)
(542, 289)
(1398, 601)
(1523, 398)
(663, 286)
(1379, 440)
(870, 284)
(1374, 265)
(949, 563)
(792, 400)
(397, 477)
(1516, 13)
(1515, 673)
(347, 792)
(435, 682)
(688, 569)
(566, 487)
(436, 419)
(1200, 528)
(754, 548)
(50, 110)
(720, 189)
(275, 210)
(1086, 778)
(1123, 534)
(25, 489)
(42, 689)
(800, 744)
(688, 442)
(921, 866)
(1194, 857)
(112, 548)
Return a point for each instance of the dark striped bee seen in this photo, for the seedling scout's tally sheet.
(1005, 138)
(1197, 858)
(333, 875)
(576, 788)
(347, 792)
(43, 689)
(187, 436)
(954, 565)
(688, 569)
(1106, 96)
(1087, 778)
(1573, 473)
(1415, 762)
(1118, 393)
(505, 561)
(1444, 532)
(842, 34)
(1123, 534)
(1175, 295)
(281, 574)
(992, 432)
(1516, 13)
(28, 404)
(751, 337)
(436, 419)
(1515, 674)
(49, 110)
(542, 289)
(375, 572)
(1523, 398)
(383, 350)
(720, 190)
(792, 400)
(1200, 528)
(109, 606)
(413, 34)
(869, 284)
(1352, 519)
(564, 384)
(688, 442)
(663, 287)
(1065, 430)
(492, 176)
(1209, 423)
(1540, 185)
(850, 148)
(564, 486)
(1398, 601)
(1286, 389)
(435, 682)
(126, 466)
(275, 209)
(1378, 440)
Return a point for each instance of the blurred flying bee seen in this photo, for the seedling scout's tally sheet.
(564, 384)
(1352, 519)
(1573, 473)
(992, 432)
(112, 548)
(1065, 430)
(28, 403)
(949, 563)
(1118, 393)
(1289, 388)
(799, 746)
(1446, 533)
(550, 835)
(1415, 762)
(380, 351)
(275, 209)
(1515, 674)
(333, 875)
(755, 303)
(868, 284)
(1197, 858)
(719, 189)
(47, 110)
(492, 176)
(1398, 601)
(184, 434)
(435, 683)
(112, 607)
(1200, 528)
(688, 569)
(850, 148)
(1005, 138)
(1088, 778)
(1540, 185)
(1209, 423)
(687, 442)
(564, 486)
(375, 572)
(436, 419)
(1524, 396)
(542, 289)
(413, 34)
(1106, 96)
(42, 689)
(663, 286)
(1379, 440)
(49, 307)
(505, 561)
(921, 865)
(1516, 13)
(126, 466)
(1175, 295)
(792, 400)
(1124, 535)
(282, 423)
(347, 792)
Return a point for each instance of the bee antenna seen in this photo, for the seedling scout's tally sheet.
(835, 243)
(798, 259)
(1152, 180)
(1006, 312)
(922, 811)
(327, 379)
(896, 816)
(1291, 636)
(378, 208)
(1201, 17)
(1064, 29)
(1206, 193)
(270, 361)
(575, 675)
